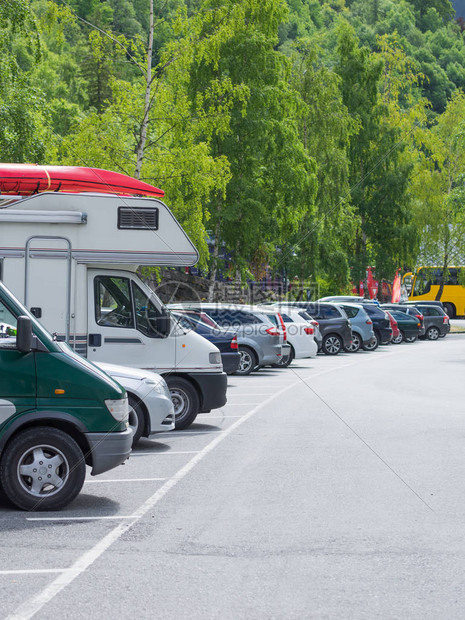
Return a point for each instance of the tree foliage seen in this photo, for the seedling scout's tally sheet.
(298, 137)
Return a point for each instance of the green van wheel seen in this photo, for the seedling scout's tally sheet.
(42, 468)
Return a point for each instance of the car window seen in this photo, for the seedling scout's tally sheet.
(113, 305)
(330, 312)
(351, 312)
(7, 328)
(246, 318)
(286, 318)
(273, 318)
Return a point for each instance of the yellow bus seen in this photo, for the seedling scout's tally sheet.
(425, 286)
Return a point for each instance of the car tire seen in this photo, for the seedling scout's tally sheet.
(449, 310)
(185, 401)
(42, 468)
(332, 344)
(374, 346)
(397, 339)
(432, 333)
(408, 338)
(136, 419)
(356, 344)
(248, 361)
(288, 361)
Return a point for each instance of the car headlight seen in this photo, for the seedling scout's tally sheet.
(119, 408)
(215, 358)
(157, 386)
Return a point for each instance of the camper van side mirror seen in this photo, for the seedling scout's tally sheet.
(24, 334)
(164, 324)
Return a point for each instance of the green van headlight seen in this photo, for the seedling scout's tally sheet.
(119, 408)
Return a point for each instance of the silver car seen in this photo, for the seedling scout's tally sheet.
(259, 333)
(362, 327)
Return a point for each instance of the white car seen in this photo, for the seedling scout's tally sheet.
(300, 335)
(151, 409)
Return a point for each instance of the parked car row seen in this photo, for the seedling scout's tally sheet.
(42, 465)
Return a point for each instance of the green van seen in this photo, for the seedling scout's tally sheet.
(58, 412)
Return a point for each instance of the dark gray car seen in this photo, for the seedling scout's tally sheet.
(436, 322)
(335, 327)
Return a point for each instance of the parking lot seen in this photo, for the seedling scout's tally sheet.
(332, 488)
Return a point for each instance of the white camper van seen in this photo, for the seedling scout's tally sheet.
(72, 260)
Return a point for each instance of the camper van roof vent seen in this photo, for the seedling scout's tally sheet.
(138, 218)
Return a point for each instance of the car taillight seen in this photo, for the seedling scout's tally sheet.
(308, 330)
(283, 326)
(234, 343)
(445, 319)
(273, 331)
(419, 317)
(369, 322)
(418, 324)
(315, 323)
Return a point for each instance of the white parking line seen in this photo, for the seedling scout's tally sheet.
(77, 518)
(31, 606)
(222, 417)
(124, 480)
(167, 453)
(33, 571)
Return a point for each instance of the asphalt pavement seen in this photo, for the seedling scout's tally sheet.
(331, 489)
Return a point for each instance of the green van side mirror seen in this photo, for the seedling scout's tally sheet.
(24, 334)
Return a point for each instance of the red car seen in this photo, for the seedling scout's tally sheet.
(396, 335)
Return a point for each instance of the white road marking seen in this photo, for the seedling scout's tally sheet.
(124, 480)
(30, 607)
(222, 417)
(206, 431)
(78, 518)
(33, 571)
(166, 453)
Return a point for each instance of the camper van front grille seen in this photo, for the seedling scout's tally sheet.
(137, 219)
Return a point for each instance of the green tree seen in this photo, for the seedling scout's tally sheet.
(326, 127)
(379, 171)
(439, 188)
(272, 177)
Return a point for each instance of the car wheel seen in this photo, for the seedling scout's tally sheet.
(409, 338)
(42, 468)
(432, 333)
(136, 419)
(374, 345)
(397, 339)
(356, 344)
(248, 361)
(332, 344)
(185, 401)
(449, 310)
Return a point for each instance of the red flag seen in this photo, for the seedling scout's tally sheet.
(372, 284)
(396, 288)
